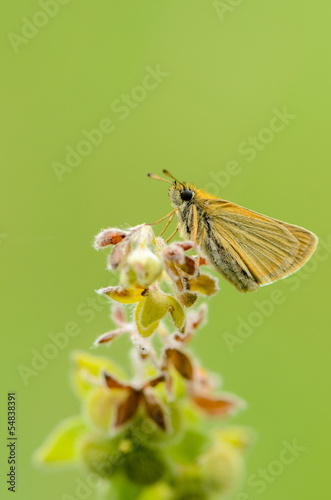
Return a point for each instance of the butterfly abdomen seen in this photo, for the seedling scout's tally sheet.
(221, 258)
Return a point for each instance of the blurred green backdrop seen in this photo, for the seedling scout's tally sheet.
(223, 74)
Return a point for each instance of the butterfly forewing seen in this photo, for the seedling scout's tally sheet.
(307, 241)
(251, 249)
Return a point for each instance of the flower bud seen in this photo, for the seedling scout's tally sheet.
(221, 468)
(144, 466)
(143, 267)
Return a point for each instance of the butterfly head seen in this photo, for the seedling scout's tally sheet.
(179, 192)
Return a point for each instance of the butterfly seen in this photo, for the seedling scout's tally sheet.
(247, 248)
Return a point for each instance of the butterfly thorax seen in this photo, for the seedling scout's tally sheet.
(185, 211)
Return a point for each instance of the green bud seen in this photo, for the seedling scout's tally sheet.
(146, 430)
(125, 446)
(144, 466)
(221, 468)
(143, 266)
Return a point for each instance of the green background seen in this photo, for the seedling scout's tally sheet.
(225, 77)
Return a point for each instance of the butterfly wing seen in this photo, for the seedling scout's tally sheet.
(251, 249)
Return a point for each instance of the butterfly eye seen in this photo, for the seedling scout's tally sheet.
(186, 195)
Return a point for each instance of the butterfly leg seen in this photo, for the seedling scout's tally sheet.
(201, 260)
(195, 224)
(163, 218)
(172, 235)
(167, 224)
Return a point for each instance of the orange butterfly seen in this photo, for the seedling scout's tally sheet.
(246, 248)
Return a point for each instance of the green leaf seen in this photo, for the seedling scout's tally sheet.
(153, 309)
(87, 367)
(177, 313)
(144, 331)
(100, 406)
(60, 448)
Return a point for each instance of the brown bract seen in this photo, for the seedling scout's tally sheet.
(180, 361)
(216, 406)
(137, 397)
(111, 236)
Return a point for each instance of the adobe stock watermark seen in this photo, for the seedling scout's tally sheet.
(92, 481)
(264, 476)
(31, 26)
(120, 107)
(222, 8)
(58, 342)
(84, 488)
(264, 309)
(249, 149)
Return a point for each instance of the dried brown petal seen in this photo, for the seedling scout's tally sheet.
(169, 385)
(154, 381)
(118, 314)
(155, 411)
(186, 337)
(195, 319)
(128, 408)
(216, 406)
(186, 245)
(204, 380)
(173, 253)
(187, 299)
(119, 254)
(111, 236)
(181, 362)
(176, 275)
(202, 261)
(113, 383)
(109, 336)
(189, 266)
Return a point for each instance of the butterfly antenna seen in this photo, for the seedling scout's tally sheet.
(153, 176)
(172, 177)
